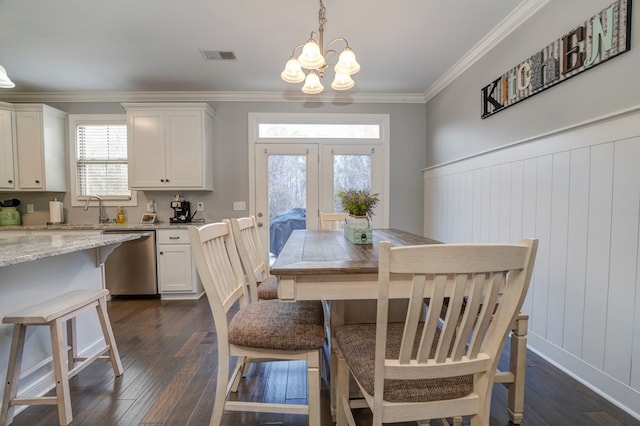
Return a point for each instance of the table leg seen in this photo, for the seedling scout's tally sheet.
(336, 320)
(517, 367)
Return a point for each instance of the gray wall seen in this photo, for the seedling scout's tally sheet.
(231, 171)
(454, 127)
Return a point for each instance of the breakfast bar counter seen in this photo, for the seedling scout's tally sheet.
(38, 266)
(18, 247)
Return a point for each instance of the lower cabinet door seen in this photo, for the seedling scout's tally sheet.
(175, 272)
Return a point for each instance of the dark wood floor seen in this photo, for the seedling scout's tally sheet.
(168, 350)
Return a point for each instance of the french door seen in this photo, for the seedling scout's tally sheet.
(286, 188)
(295, 181)
(299, 161)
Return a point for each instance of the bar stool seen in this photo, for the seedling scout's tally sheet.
(56, 313)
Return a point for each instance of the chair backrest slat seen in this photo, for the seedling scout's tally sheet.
(470, 316)
(493, 287)
(433, 318)
(414, 312)
(452, 318)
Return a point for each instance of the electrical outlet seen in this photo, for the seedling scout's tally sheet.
(239, 205)
(200, 206)
(29, 208)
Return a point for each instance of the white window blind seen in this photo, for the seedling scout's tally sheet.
(101, 161)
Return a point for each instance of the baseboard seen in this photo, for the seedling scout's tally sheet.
(181, 296)
(618, 393)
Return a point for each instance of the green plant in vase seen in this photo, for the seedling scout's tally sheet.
(359, 202)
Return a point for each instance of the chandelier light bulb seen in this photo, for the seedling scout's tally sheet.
(292, 72)
(342, 81)
(312, 85)
(347, 63)
(5, 81)
(311, 58)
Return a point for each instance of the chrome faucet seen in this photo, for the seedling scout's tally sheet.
(102, 215)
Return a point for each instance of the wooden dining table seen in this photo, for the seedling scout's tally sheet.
(326, 266)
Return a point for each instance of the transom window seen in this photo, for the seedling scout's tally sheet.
(319, 131)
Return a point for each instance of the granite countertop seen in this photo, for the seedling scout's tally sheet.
(101, 226)
(20, 247)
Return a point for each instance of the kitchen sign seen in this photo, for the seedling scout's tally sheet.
(600, 38)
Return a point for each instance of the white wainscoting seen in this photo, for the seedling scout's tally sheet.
(578, 191)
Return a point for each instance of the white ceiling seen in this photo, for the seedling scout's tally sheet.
(80, 46)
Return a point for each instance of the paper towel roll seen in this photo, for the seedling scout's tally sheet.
(56, 214)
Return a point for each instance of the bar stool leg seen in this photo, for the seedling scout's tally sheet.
(63, 394)
(72, 343)
(13, 372)
(110, 340)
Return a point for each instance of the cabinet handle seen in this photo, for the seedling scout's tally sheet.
(166, 180)
(161, 180)
(161, 252)
(37, 181)
(10, 181)
(174, 238)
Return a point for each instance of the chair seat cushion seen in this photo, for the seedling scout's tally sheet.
(268, 289)
(272, 324)
(358, 345)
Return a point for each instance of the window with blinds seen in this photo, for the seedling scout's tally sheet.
(101, 161)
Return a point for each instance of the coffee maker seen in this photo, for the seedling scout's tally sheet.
(181, 210)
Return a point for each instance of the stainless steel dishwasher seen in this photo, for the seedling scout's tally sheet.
(130, 270)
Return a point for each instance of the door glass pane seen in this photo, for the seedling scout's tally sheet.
(350, 172)
(287, 188)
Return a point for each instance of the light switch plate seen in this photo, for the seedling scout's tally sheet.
(239, 205)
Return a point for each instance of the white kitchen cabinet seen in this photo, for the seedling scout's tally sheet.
(7, 148)
(170, 146)
(177, 275)
(40, 142)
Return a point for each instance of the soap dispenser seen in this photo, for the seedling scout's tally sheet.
(121, 217)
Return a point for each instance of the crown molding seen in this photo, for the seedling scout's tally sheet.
(195, 96)
(512, 21)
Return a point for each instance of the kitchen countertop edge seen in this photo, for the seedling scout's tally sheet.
(102, 227)
(33, 246)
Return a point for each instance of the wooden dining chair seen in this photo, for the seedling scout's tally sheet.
(417, 370)
(262, 285)
(268, 329)
(332, 220)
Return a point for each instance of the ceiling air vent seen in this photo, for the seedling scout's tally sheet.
(218, 55)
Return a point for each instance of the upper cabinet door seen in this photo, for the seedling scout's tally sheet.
(146, 149)
(7, 149)
(40, 142)
(185, 145)
(30, 148)
(170, 146)
(40, 148)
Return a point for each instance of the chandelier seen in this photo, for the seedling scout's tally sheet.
(314, 58)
